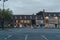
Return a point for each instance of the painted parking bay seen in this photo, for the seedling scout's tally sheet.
(21, 34)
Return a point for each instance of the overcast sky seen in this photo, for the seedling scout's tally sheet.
(32, 6)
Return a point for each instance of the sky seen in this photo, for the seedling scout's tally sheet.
(28, 7)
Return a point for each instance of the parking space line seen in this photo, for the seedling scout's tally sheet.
(26, 36)
(8, 36)
(44, 37)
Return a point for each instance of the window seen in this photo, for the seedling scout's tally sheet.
(15, 17)
(46, 17)
(22, 21)
(28, 21)
(54, 14)
(20, 17)
(25, 17)
(16, 21)
(37, 22)
(30, 17)
(59, 14)
(36, 17)
(56, 20)
(49, 14)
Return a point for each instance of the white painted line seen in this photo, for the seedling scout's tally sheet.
(26, 37)
(8, 36)
(44, 37)
(5, 38)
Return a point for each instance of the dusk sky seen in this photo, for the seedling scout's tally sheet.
(32, 6)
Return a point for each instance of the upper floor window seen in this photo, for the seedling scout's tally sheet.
(59, 14)
(49, 14)
(15, 17)
(25, 17)
(30, 17)
(16, 21)
(54, 14)
(36, 17)
(20, 17)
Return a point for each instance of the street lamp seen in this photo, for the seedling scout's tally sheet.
(2, 22)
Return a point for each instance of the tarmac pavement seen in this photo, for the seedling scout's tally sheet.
(29, 34)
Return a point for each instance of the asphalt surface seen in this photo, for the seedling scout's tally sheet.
(30, 34)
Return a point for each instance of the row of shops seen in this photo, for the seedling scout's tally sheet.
(41, 19)
(24, 23)
(47, 22)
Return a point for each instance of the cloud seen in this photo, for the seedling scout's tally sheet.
(31, 6)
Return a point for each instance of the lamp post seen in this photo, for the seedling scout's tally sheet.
(2, 22)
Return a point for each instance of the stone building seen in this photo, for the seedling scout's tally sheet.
(49, 19)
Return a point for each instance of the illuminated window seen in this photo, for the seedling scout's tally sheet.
(56, 17)
(37, 22)
(46, 17)
(22, 21)
(28, 21)
(16, 21)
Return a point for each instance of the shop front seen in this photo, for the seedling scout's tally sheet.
(16, 23)
(51, 22)
(46, 21)
(38, 23)
(25, 23)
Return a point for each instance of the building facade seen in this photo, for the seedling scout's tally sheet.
(49, 19)
(24, 20)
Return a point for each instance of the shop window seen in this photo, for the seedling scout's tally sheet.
(28, 21)
(56, 20)
(46, 19)
(22, 21)
(37, 22)
(16, 21)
